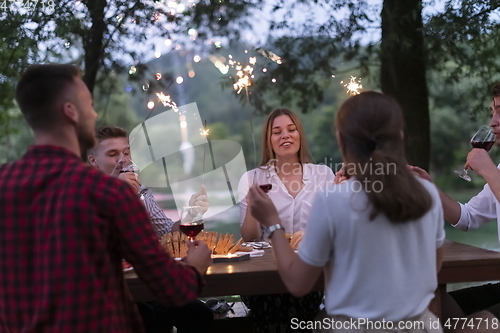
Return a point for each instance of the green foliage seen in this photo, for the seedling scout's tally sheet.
(218, 131)
(460, 44)
(16, 135)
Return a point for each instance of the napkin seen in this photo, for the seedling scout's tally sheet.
(257, 245)
(253, 253)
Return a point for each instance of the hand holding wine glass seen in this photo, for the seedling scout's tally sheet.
(265, 187)
(129, 172)
(191, 221)
(484, 139)
(261, 207)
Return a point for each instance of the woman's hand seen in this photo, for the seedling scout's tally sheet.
(261, 207)
(339, 176)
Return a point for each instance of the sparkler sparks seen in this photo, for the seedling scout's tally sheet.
(167, 101)
(354, 86)
(204, 132)
(244, 73)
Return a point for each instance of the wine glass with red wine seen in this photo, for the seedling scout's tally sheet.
(484, 139)
(129, 166)
(191, 221)
(266, 187)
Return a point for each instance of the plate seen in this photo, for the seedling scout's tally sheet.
(230, 258)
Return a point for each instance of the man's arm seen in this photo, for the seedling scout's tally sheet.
(451, 208)
(161, 223)
(478, 211)
(173, 283)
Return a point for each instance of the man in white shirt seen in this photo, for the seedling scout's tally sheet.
(483, 301)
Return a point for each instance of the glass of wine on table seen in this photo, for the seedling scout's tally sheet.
(484, 139)
(191, 221)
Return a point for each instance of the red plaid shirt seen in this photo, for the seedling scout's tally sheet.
(64, 229)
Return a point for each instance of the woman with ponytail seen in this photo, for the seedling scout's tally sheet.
(376, 236)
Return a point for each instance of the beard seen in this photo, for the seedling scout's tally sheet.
(86, 140)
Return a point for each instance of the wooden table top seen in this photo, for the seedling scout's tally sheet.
(465, 263)
(461, 263)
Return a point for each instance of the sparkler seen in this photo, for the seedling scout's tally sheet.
(204, 132)
(354, 86)
(167, 101)
(245, 76)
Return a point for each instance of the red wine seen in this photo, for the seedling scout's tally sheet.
(486, 145)
(191, 230)
(266, 187)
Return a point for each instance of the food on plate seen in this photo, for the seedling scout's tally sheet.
(176, 243)
(236, 246)
(245, 248)
(296, 238)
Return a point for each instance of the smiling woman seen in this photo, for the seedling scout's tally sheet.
(293, 181)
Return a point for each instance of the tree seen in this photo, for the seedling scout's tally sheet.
(458, 40)
(403, 73)
(104, 34)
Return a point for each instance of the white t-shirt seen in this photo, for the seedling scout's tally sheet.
(479, 210)
(373, 269)
(294, 212)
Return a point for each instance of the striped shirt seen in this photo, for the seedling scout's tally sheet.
(161, 223)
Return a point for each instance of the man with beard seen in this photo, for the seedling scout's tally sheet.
(65, 226)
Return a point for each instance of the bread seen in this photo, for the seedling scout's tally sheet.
(245, 248)
(176, 243)
(296, 238)
(166, 243)
(235, 247)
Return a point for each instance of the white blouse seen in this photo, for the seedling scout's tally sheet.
(294, 212)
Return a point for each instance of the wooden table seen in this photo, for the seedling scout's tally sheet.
(238, 278)
(465, 263)
(259, 275)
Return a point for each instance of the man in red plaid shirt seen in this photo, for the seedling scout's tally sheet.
(65, 226)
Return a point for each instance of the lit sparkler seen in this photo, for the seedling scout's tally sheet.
(243, 79)
(167, 101)
(354, 86)
(204, 132)
(244, 73)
